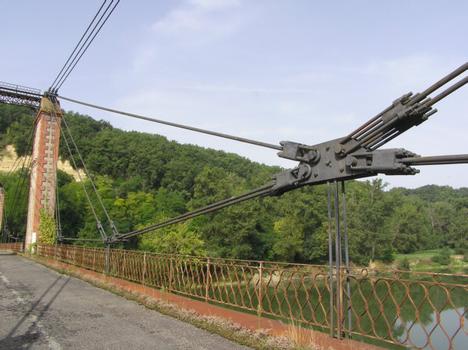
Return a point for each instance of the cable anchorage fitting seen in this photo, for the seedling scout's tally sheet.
(330, 167)
(297, 151)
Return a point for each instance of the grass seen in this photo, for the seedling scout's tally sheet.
(422, 261)
(420, 255)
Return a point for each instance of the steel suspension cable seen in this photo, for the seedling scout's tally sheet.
(261, 191)
(57, 212)
(98, 222)
(88, 174)
(80, 239)
(436, 160)
(78, 58)
(20, 188)
(22, 176)
(78, 44)
(176, 125)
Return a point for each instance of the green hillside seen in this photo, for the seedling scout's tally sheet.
(145, 178)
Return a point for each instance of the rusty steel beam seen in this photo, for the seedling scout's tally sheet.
(20, 95)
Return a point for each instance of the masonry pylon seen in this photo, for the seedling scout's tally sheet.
(2, 204)
(45, 153)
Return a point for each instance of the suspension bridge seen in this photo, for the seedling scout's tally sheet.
(347, 303)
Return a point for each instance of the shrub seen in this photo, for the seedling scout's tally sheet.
(387, 255)
(404, 264)
(47, 228)
(443, 258)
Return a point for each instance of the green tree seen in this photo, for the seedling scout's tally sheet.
(410, 227)
(177, 239)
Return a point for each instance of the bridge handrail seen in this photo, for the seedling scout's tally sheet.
(388, 306)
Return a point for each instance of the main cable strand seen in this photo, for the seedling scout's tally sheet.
(86, 44)
(176, 125)
(436, 160)
(78, 44)
(72, 67)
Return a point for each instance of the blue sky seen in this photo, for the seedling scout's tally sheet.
(304, 71)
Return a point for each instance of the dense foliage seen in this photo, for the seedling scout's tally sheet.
(145, 178)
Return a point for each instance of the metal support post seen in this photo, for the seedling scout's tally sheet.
(208, 278)
(330, 259)
(94, 259)
(107, 260)
(144, 268)
(171, 273)
(346, 256)
(123, 264)
(339, 289)
(260, 289)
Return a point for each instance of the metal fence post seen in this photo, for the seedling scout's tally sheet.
(208, 278)
(94, 259)
(260, 289)
(107, 260)
(124, 261)
(171, 272)
(144, 268)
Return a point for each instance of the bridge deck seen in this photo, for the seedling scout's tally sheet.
(41, 309)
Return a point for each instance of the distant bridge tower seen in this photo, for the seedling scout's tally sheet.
(2, 204)
(42, 189)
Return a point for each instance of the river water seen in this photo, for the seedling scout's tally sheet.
(451, 319)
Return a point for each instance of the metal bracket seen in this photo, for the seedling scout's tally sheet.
(299, 152)
(387, 161)
(332, 167)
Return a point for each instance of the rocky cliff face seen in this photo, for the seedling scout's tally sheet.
(9, 159)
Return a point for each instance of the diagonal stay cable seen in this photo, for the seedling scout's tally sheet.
(98, 222)
(88, 174)
(87, 43)
(176, 125)
(20, 183)
(81, 239)
(261, 191)
(18, 192)
(20, 188)
(78, 44)
(57, 212)
(436, 160)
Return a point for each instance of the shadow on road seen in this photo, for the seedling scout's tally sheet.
(24, 341)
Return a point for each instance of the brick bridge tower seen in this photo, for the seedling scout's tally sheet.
(2, 204)
(42, 190)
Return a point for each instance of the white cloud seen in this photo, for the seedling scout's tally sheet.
(212, 18)
(215, 4)
(192, 24)
(295, 107)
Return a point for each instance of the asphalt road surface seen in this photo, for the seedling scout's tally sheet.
(42, 309)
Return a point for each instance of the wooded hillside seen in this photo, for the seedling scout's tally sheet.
(145, 178)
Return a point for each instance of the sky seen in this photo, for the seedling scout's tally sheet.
(304, 71)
